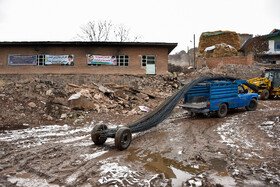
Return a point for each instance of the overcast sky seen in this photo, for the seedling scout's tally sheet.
(156, 20)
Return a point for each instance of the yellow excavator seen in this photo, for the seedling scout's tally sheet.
(268, 84)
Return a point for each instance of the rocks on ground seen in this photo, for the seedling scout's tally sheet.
(36, 101)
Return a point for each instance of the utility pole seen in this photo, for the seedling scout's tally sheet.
(189, 56)
(194, 64)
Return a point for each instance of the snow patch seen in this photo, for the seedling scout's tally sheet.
(236, 136)
(87, 157)
(27, 182)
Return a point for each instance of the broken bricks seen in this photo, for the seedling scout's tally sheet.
(110, 97)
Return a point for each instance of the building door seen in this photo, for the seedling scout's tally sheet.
(150, 62)
(151, 69)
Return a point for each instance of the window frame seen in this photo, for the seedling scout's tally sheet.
(277, 43)
(145, 61)
(125, 60)
(41, 57)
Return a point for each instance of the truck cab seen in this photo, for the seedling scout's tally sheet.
(218, 97)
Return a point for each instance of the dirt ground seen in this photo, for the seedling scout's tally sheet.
(241, 149)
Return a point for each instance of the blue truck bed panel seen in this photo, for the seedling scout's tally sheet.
(213, 90)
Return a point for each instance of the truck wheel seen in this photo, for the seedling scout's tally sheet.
(96, 134)
(222, 111)
(123, 138)
(265, 94)
(252, 105)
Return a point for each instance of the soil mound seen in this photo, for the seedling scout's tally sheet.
(208, 39)
(220, 50)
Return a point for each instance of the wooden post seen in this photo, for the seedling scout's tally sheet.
(194, 64)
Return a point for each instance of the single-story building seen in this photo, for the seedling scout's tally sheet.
(84, 57)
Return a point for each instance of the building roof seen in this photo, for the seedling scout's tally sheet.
(169, 46)
(274, 30)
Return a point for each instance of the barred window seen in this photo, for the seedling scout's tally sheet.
(40, 60)
(122, 60)
(148, 59)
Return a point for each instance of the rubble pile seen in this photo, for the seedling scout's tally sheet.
(220, 50)
(238, 71)
(208, 39)
(36, 101)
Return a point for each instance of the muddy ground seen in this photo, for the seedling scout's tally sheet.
(241, 149)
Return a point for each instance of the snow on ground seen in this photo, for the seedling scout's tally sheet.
(87, 157)
(113, 174)
(272, 129)
(238, 137)
(37, 136)
(22, 181)
(237, 133)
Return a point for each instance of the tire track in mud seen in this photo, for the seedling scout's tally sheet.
(51, 152)
(64, 155)
(247, 142)
(253, 142)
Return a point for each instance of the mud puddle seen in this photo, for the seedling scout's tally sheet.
(219, 165)
(177, 171)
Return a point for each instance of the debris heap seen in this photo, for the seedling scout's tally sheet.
(220, 50)
(58, 99)
(208, 39)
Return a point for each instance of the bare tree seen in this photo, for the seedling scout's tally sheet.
(122, 34)
(104, 31)
(96, 31)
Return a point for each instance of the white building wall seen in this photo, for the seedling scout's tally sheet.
(271, 46)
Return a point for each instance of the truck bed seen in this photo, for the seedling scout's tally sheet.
(199, 105)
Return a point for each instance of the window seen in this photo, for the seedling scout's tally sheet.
(148, 59)
(40, 60)
(277, 45)
(122, 60)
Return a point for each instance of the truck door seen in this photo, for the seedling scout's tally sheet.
(242, 97)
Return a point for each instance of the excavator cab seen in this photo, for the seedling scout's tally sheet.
(274, 76)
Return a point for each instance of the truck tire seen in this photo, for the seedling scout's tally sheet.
(264, 94)
(252, 105)
(96, 134)
(123, 138)
(222, 111)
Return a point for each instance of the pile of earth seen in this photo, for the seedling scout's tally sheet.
(220, 50)
(208, 39)
(238, 71)
(40, 100)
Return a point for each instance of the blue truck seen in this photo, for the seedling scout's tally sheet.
(218, 97)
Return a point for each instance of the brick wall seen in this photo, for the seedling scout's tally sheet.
(80, 66)
(214, 62)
